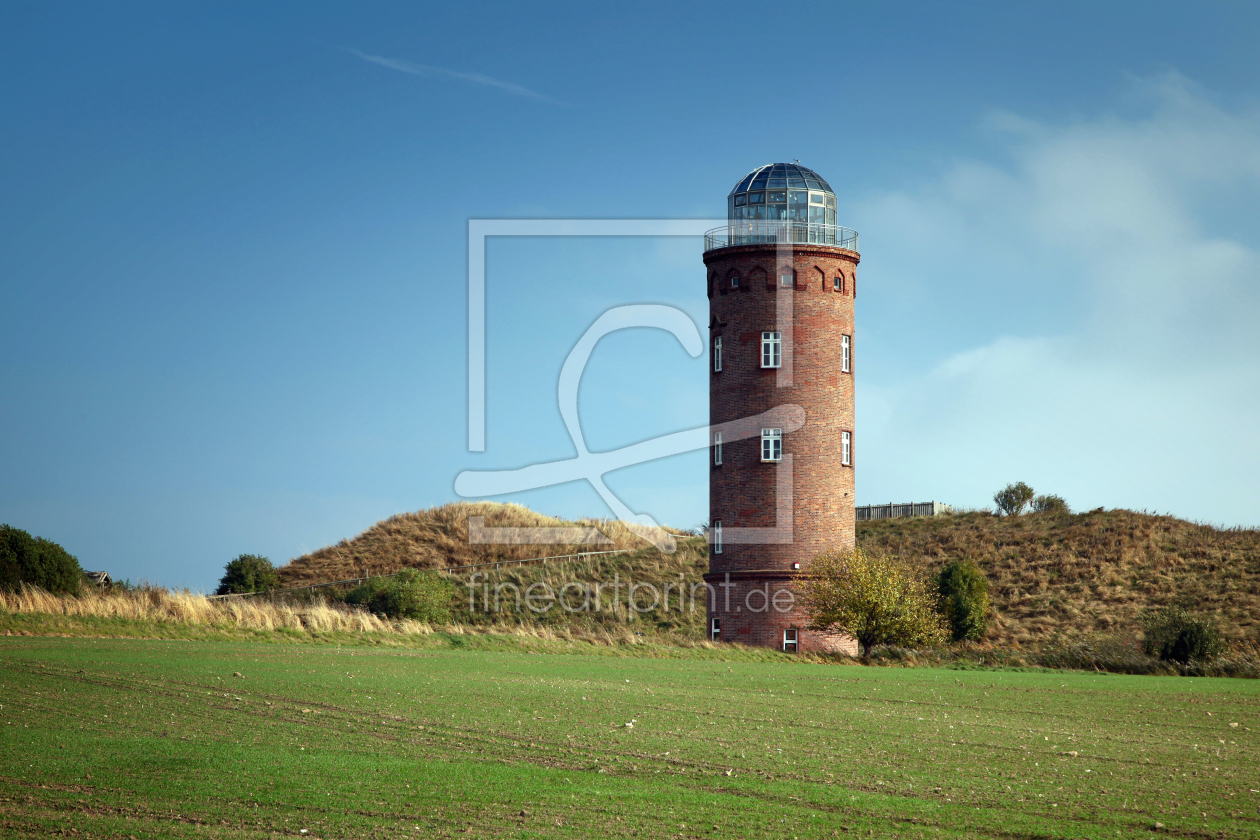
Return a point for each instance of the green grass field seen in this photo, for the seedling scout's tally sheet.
(131, 738)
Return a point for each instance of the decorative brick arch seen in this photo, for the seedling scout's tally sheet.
(758, 275)
(822, 278)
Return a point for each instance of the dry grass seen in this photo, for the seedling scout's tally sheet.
(160, 605)
(438, 538)
(1055, 575)
(258, 614)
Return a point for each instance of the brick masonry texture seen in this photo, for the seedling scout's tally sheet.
(742, 490)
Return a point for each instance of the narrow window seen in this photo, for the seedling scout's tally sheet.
(715, 629)
(717, 449)
(734, 281)
(787, 277)
(717, 536)
(846, 448)
(771, 349)
(772, 444)
(838, 283)
(717, 354)
(846, 353)
(789, 640)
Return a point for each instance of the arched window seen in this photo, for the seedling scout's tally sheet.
(838, 283)
(787, 277)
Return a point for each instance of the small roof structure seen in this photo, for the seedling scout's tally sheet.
(99, 578)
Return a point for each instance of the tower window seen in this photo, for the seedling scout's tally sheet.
(838, 283)
(846, 353)
(846, 448)
(717, 354)
(717, 536)
(715, 629)
(771, 349)
(772, 444)
(717, 449)
(789, 640)
(734, 281)
(787, 277)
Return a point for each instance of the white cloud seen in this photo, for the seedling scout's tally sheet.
(430, 72)
(1110, 319)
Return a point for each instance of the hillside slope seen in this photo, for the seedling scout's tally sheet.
(438, 538)
(1090, 572)
(1050, 574)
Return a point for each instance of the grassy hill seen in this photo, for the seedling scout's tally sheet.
(1051, 575)
(438, 538)
(1095, 572)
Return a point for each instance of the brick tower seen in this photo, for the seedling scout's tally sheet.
(782, 280)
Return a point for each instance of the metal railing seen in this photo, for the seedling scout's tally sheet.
(780, 233)
(890, 511)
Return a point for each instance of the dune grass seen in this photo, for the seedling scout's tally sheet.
(439, 538)
(122, 738)
(1091, 573)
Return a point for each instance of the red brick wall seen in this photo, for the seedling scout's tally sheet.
(755, 609)
(742, 489)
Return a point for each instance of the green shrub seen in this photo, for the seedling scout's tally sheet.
(1050, 504)
(1012, 498)
(1175, 635)
(963, 593)
(875, 599)
(420, 596)
(248, 573)
(36, 561)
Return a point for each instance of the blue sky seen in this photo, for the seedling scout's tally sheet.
(233, 252)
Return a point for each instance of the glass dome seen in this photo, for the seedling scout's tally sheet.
(782, 192)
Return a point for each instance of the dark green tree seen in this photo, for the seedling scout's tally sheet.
(248, 573)
(1175, 635)
(37, 562)
(420, 596)
(1012, 498)
(963, 591)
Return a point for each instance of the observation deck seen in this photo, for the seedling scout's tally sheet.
(779, 233)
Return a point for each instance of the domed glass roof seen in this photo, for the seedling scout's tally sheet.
(782, 192)
(782, 176)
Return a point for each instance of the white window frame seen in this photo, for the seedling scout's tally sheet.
(734, 281)
(717, 536)
(771, 349)
(715, 629)
(717, 354)
(717, 449)
(771, 445)
(846, 449)
(837, 284)
(787, 278)
(791, 636)
(846, 353)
